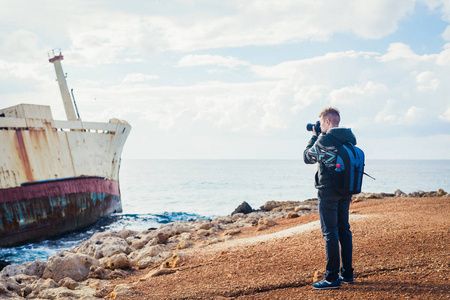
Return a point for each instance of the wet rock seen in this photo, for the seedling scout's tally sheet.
(66, 264)
(243, 208)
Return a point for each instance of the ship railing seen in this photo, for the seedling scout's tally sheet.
(40, 124)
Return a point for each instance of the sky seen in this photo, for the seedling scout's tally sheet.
(211, 79)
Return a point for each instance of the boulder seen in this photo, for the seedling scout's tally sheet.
(104, 244)
(269, 205)
(244, 208)
(118, 261)
(34, 268)
(3, 264)
(32, 290)
(441, 193)
(98, 273)
(68, 283)
(66, 264)
(63, 293)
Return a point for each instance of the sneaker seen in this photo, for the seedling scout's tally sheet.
(346, 280)
(324, 284)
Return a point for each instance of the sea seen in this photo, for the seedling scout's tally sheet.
(156, 192)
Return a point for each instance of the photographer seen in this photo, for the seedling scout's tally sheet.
(333, 207)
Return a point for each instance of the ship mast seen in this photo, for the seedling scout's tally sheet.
(67, 100)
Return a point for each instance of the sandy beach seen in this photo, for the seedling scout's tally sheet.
(400, 252)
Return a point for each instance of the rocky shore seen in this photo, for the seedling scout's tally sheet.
(116, 264)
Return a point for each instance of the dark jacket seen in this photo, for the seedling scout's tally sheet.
(322, 150)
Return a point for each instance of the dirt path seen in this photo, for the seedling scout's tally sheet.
(400, 252)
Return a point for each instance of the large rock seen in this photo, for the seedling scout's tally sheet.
(34, 268)
(63, 293)
(118, 261)
(66, 264)
(32, 290)
(104, 244)
(244, 208)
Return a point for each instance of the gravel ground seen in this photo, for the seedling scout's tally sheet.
(401, 251)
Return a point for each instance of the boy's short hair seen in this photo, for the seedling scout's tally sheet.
(332, 114)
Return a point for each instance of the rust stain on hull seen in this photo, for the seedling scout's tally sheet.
(68, 206)
(20, 144)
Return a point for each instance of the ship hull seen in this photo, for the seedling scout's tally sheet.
(56, 176)
(54, 207)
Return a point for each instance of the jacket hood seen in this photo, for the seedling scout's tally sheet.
(344, 135)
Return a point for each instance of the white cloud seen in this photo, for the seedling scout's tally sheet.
(103, 35)
(446, 34)
(217, 60)
(352, 94)
(138, 77)
(445, 116)
(399, 51)
(414, 115)
(387, 113)
(426, 81)
(443, 58)
(306, 95)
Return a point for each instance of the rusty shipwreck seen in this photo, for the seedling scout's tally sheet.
(56, 176)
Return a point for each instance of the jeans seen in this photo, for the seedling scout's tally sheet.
(334, 216)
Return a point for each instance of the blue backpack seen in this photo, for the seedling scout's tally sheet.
(349, 169)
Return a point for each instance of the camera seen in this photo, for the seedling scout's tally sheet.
(309, 127)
